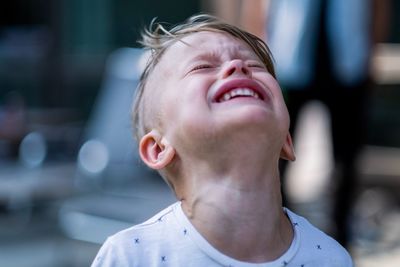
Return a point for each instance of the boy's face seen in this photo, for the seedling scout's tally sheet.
(210, 86)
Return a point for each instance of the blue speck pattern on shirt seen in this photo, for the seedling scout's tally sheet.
(169, 239)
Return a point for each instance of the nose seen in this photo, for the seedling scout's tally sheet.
(235, 67)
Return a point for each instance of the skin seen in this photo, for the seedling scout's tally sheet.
(222, 157)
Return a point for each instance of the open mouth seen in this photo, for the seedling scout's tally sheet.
(239, 88)
(238, 92)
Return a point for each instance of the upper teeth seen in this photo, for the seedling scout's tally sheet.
(238, 92)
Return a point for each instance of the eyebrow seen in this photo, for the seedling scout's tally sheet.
(205, 55)
(240, 53)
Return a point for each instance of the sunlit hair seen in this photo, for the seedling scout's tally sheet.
(157, 38)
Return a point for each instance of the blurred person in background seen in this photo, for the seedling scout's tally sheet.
(322, 51)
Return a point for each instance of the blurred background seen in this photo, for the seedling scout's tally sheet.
(69, 173)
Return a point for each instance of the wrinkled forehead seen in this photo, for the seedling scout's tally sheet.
(209, 39)
(206, 42)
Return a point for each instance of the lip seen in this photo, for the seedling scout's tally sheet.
(239, 83)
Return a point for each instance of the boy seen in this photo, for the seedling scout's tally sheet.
(211, 119)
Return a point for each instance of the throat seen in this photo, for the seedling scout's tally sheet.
(254, 233)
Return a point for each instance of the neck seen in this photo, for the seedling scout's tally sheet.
(238, 209)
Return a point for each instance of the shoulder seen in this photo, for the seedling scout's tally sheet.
(149, 229)
(317, 245)
(127, 247)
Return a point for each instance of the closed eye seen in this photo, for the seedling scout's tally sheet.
(201, 66)
(256, 65)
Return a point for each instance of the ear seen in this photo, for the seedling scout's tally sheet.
(155, 151)
(287, 151)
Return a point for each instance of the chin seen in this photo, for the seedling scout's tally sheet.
(247, 114)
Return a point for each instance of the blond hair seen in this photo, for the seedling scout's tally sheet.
(158, 39)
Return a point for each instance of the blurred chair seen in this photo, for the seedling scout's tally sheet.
(115, 189)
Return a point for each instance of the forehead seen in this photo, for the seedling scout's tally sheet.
(208, 39)
(207, 42)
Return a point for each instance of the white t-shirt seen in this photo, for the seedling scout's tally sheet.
(169, 239)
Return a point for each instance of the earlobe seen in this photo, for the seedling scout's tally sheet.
(155, 151)
(287, 151)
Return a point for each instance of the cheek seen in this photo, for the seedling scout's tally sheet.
(190, 99)
(274, 86)
(191, 117)
(185, 114)
(276, 91)
(190, 131)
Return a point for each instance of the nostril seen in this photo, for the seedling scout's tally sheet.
(236, 66)
(230, 71)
